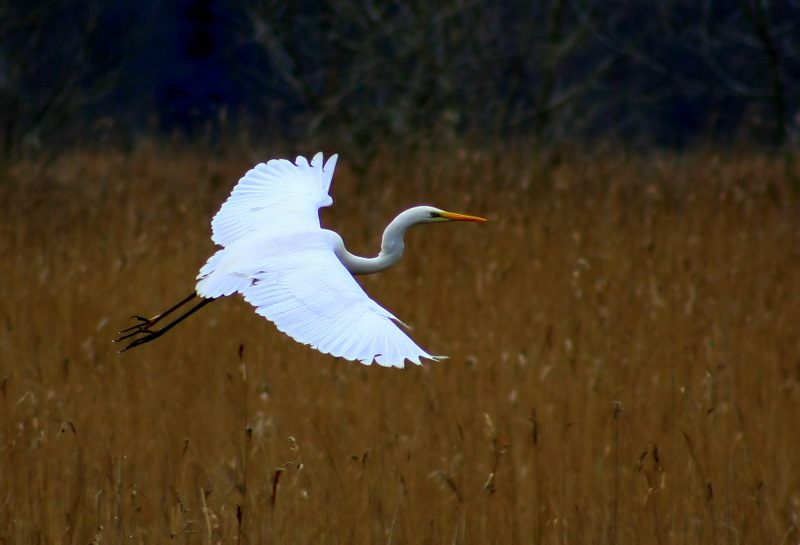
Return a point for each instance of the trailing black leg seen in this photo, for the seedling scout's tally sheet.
(145, 326)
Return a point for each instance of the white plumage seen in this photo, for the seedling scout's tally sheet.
(285, 265)
(275, 198)
(298, 275)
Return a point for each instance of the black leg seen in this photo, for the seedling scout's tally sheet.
(145, 327)
(146, 323)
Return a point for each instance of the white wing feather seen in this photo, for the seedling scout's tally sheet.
(276, 197)
(284, 264)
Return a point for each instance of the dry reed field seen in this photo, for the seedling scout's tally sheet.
(623, 340)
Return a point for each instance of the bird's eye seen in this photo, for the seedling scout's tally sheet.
(435, 215)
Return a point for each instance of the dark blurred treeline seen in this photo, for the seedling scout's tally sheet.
(664, 73)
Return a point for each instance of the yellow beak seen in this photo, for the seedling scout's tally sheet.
(461, 217)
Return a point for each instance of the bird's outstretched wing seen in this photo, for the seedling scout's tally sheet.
(274, 198)
(309, 295)
(278, 257)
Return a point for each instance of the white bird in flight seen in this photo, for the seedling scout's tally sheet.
(296, 274)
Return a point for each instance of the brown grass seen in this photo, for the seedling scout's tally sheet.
(625, 360)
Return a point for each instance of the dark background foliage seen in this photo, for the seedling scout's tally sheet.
(666, 73)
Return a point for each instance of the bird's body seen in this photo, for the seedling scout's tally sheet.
(298, 275)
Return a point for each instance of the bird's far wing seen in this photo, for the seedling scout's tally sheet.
(274, 198)
(309, 295)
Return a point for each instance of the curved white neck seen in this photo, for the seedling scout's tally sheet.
(392, 246)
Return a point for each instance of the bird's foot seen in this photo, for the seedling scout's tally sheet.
(142, 328)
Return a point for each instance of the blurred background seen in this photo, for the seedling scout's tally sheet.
(667, 73)
(623, 333)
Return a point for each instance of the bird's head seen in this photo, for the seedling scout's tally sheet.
(392, 243)
(429, 214)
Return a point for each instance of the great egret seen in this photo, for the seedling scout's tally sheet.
(297, 274)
